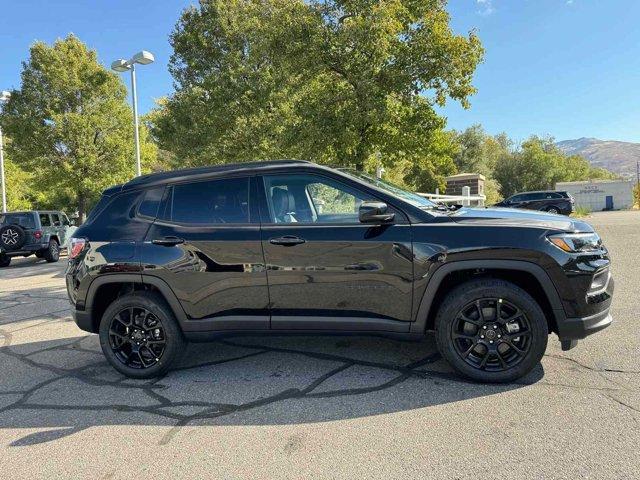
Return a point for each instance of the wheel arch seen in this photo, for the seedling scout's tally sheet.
(104, 290)
(521, 273)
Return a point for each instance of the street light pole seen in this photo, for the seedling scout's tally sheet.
(4, 96)
(4, 190)
(120, 65)
(136, 131)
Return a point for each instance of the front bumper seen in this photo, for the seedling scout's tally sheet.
(573, 329)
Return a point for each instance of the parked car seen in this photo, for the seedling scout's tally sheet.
(37, 232)
(548, 201)
(289, 246)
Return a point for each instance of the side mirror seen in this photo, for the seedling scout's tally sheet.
(374, 212)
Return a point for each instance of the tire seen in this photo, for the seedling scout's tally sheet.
(5, 261)
(521, 327)
(39, 254)
(12, 237)
(149, 361)
(553, 210)
(52, 252)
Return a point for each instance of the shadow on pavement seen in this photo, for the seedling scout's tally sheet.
(66, 386)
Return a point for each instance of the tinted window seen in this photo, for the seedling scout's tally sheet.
(25, 220)
(516, 198)
(104, 200)
(553, 195)
(65, 220)
(150, 202)
(312, 199)
(117, 220)
(45, 220)
(55, 218)
(212, 202)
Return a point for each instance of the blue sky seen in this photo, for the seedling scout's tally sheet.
(553, 67)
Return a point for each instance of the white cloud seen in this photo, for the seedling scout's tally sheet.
(486, 7)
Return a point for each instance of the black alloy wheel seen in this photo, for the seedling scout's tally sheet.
(140, 336)
(491, 334)
(491, 330)
(137, 338)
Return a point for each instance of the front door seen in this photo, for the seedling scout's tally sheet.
(205, 244)
(326, 270)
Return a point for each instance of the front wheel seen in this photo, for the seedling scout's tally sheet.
(140, 336)
(491, 330)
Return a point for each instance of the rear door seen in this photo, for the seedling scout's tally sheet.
(46, 225)
(59, 228)
(327, 270)
(205, 245)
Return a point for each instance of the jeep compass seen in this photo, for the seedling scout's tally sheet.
(290, 246)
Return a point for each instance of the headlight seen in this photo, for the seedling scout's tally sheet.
(576, 242)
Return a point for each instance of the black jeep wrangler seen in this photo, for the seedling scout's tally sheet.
(41, 233)
(290, 246)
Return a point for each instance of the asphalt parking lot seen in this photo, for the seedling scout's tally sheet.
(321, 407)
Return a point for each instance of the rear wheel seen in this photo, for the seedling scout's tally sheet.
(52, 252)
(5, 261)
(553, 210)
(140, 336)
(491, 330)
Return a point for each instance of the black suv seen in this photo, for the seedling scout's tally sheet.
(290, 246)
(41, 232)
(548, 201)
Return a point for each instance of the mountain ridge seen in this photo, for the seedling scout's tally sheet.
(614, 155)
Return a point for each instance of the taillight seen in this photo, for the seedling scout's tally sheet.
(77, 245)
(37, 234)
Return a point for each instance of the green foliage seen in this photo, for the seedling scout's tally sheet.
(481, 153)
(538, 165)
(70, 126)
(636, 195)
(581, 211)
(344, 83)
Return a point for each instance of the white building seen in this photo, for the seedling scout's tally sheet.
(599, 195)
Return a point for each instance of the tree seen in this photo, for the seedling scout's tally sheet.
(539, 164)
(70, 126)
(480, 153)
(346, 83)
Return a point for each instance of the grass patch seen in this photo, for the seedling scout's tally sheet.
(581, 212)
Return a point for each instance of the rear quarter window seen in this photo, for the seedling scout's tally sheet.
(117, 220)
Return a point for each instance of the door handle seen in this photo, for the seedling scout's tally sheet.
(168, 241)
(287, 241)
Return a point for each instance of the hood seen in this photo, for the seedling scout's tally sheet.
(522, 218)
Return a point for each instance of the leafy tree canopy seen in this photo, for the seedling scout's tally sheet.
(538, 165)
(348, 83)
(70, 126)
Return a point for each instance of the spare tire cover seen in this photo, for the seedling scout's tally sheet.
(12, 237)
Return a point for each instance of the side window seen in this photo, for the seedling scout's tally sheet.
(65, 220)
(516, 198)
(209, 202)
(45, 220)
(149, 205)
(55, 218)
(312, 199)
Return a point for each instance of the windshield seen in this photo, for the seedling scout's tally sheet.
(25, 220)
(409, 197)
